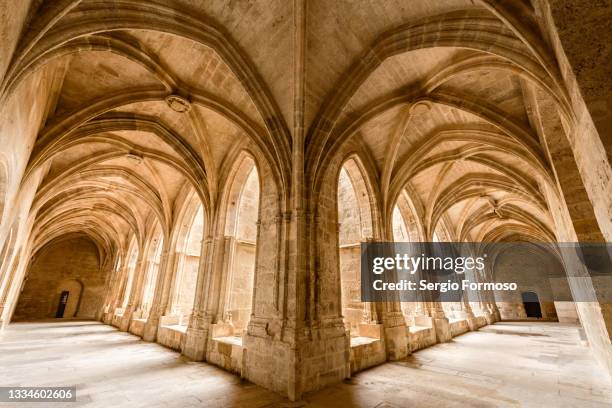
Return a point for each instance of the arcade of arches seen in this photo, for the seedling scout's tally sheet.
(201, 174)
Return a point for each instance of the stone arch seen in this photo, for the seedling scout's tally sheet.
(439, 31)
(240, 237)
(67, 33)
(356, 220)
(406, 222)
(325, 298)
(407, 232)
(268, 299)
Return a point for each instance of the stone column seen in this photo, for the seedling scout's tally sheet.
(439, 321)
(468, 314)
(135, 295)
(396, 341)
(582, 53)
(111, 295)
(575, 203)
(270, 342)
(110, 274)
(394, 324)
(435, 311)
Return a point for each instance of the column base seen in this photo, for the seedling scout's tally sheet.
(268, 361)
(396, 341)
(124, 323)
(150, 329)
(474, 323)
(194, 347)
(443, 329)
(107, 318)
(293, 362)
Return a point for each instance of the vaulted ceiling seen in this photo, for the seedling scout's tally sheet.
(152, 100)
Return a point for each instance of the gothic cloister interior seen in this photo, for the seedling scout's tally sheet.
(186, 181)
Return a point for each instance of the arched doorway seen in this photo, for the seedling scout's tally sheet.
(531, 303)
(70, 292)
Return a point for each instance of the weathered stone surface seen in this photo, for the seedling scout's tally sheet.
(221, 163)
(70, 265)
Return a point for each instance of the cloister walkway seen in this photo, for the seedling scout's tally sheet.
(507, 364)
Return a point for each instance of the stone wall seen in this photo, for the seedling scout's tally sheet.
(532, 272)
(52, 271)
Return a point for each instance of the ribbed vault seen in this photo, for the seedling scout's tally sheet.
(125, 121)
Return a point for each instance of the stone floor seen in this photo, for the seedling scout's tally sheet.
(508, 364)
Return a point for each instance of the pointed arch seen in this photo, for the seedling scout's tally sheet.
(188, 249)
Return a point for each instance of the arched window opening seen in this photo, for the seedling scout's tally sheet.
(152, 271)
(402, 236)
(188, 266)
(355, 227)
(243, 245)
(131, 271)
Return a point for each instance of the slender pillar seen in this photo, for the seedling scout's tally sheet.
(135, 294)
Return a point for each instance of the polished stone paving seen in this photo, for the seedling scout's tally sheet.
(505, 365)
